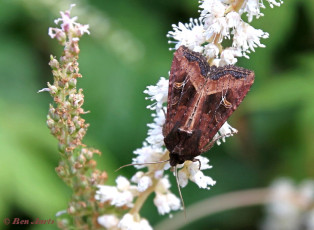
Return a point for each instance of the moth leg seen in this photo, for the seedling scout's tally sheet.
(208, 146)
(176, 100)
(178, 85)
(199, 163)
(164, 111)
(226, 103)
(211, 144)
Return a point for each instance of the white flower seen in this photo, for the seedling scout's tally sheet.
(56, 33)
(274, 2)
(217, 21)
(290, 207)
(247, 38)
(191, 170)
(163, 185)
(215, 24)
(253, 7)
(189, 35)
(143, 182)
(147, 154)
(310, 220)
(211, 51)
(233, 19)
(118, 196)
(214, 27)
(155, 136)
(216, 62)
(108, 221)
(137, 176)
(225, 131)
(158, 93)
(122, 183)
(214, 7)
(67, 21)
(132, 222)
(166, 202)
(228, 56)
(68, 26)
(83, 29)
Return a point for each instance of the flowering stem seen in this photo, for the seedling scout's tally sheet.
(142, 198)
(144, 195)
(76, 167)
(215, 205)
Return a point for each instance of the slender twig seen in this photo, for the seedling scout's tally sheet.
(215, 205)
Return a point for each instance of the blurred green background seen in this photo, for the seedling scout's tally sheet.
(127, 51)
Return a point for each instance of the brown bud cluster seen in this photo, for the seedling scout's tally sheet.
(77, 167)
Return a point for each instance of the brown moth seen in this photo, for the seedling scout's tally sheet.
(200, 100)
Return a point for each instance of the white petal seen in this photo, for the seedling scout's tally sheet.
(108, 221)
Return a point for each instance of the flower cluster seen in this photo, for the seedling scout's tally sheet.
(291, 207)
(219, 20)
(69, 28)
(128, 222)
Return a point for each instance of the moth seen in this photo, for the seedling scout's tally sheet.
(200, 100)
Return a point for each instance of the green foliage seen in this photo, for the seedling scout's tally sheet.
(275, 122)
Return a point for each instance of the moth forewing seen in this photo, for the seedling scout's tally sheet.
(200, 100)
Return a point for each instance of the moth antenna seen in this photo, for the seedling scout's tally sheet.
(148, 163)
(181, 198)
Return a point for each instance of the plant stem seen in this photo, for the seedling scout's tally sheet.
(144, 195)
(215, 205)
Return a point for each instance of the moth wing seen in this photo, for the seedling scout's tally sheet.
(224, 95)
(182, 89)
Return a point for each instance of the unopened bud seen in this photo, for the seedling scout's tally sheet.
(52, 89)
(61, 147)
(69, 69)
(71, 210)
(71, 129)
(82, 159)
(54, 64)
(50, 122)
(72, 83)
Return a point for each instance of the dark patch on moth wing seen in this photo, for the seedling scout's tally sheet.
(217, 108)
(195, 56)
(207, 105)
(236, 72)
(172, 139)
(186, 95)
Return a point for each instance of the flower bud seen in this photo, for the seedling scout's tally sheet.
(72, 83)
(50, 122)
(71, 210)
(54, 64)
(61, 147)
(71, 129)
